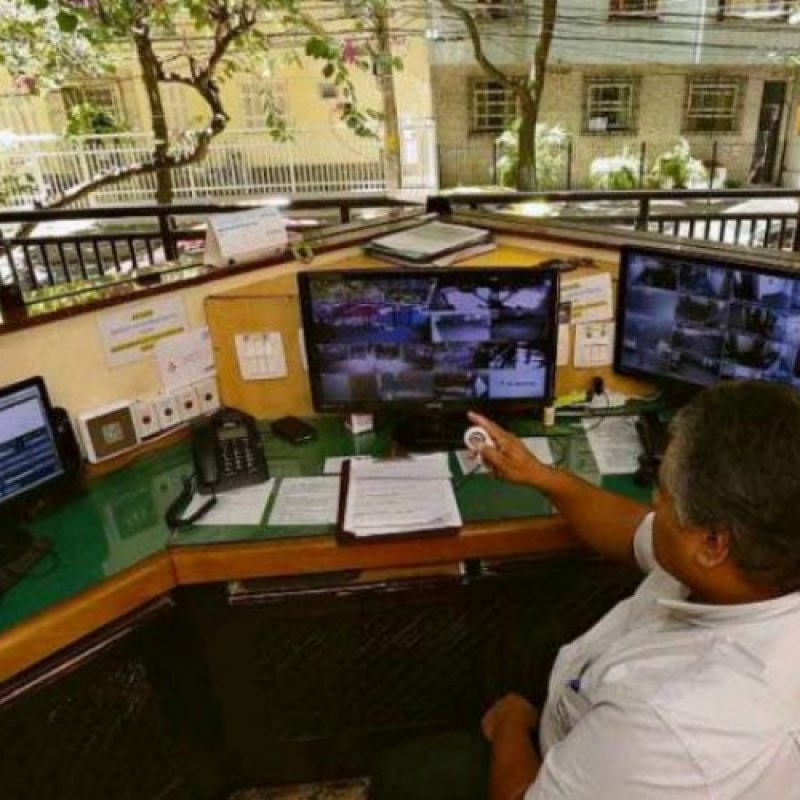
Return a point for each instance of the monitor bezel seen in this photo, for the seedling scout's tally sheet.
(725, 261)
(9, 505)
(507, 404)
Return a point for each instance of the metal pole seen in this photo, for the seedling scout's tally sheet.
(714, 152)
(642, 163)
(165, 229)
(570, 162)
(644, 214)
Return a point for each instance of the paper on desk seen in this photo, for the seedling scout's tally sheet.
(306, 501)
(428, 466)
(381, 507)
(538, 445)
(594, 344)
(615, 444)
(591, 297)
(235, 507)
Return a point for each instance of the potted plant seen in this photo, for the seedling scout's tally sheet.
(618, 172)
(678, 169)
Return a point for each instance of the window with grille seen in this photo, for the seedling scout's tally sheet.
(713, 106)
(173, 96)
(499, 9)
(494, 107)
(104, 96)
(758, 9)
(260, 99)
(632, 9)
(610, 105)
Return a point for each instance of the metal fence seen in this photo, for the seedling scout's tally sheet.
(239, 164)
(575, 162)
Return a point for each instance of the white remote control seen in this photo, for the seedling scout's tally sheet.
(475, 437)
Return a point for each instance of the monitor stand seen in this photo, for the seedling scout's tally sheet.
(425, 433)
(19, 552)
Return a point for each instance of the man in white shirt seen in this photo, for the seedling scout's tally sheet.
(689, 689)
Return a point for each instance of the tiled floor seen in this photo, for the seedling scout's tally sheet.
(332, 790)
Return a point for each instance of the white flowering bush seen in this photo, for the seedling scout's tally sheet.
(678, 169)
(551, 155)
(615, 172)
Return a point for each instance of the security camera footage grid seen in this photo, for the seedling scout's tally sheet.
(698, 323)
(425, 339)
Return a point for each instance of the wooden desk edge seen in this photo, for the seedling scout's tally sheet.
(50, 631)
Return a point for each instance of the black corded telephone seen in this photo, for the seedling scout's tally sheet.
(227, 452)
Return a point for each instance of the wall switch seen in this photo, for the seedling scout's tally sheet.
(167, 411)
(145, 419)
(188, 403)
(207, 395)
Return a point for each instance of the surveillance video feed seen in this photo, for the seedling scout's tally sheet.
(698, 323)
(444, 339)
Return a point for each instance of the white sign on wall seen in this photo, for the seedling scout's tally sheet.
(245, 237)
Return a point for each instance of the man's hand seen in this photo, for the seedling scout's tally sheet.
(512, 711)
(510, 459)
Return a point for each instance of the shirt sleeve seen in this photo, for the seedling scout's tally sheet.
(643, 545)
(618, 750)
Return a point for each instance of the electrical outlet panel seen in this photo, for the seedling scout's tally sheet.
(188, 403)
(207, 395)
(167, 411)
(145, 419)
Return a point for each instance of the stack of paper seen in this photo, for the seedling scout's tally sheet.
(436, 243)
(400, 496)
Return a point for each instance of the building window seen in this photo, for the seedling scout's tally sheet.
(261, 100)
(633, 9)
(105, 96)
(713, 105)
(494, 107)
(610, 105)
(757, 9)
(499, 9)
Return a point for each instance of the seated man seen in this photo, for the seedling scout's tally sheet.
(691, 687)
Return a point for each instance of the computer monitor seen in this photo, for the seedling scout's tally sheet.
(30, 460)
(430, 341)
(689, 320)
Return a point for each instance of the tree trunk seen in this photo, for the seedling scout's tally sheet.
(393, 165)
(527, 176)
(149, 66)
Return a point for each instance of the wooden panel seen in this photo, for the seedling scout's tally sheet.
(322, 554)
(45, 634)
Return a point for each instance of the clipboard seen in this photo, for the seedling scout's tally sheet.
(347, 537)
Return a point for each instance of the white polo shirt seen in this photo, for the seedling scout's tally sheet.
(669, 700)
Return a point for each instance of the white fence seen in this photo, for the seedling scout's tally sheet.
(239, 163)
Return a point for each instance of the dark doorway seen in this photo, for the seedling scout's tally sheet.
(768, 136)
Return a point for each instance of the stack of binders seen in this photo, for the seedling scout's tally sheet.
(435, 244)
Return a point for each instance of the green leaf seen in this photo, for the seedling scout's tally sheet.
(67, 21)
(328, 71)
(39, 5)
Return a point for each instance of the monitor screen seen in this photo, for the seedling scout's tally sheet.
(29, 453)
(436, 338)
(699, 319)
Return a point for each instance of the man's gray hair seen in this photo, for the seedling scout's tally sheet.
(733, 465)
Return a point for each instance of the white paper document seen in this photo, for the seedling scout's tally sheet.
(538, 445)
(594, 344)
(261, 355)
(431, 239)
(427, 466)
(615, 444)
(382, 507)
(306, 501)
(562, 355)
(184, 359)
(591, 297)
(235, 507)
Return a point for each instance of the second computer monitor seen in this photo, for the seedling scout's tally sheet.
(695, 319)
(430, 338)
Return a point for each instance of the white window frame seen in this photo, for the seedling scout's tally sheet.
(253, 94)
(105, 95)
(696, 109)
(634, 9)
(493, 106)
(173, 97)
(758, 10)
(596, 108)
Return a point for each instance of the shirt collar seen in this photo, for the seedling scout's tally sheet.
(706, 614)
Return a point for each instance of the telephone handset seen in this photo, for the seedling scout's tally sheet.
(227, 452)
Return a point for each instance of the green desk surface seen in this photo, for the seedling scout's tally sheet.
(119, 520)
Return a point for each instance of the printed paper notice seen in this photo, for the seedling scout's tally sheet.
(615, 444)
(133, 333)
(594, 344)
(234, 507)
(591, 298)
(306, 501)
(185, 359)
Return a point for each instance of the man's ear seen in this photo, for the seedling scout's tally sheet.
(713, 549)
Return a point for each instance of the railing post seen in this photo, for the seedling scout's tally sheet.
(796, 236)
(643, 218)
(165, 229)
(495, 153)
(642, 163)
(713, 169)
(570, 156)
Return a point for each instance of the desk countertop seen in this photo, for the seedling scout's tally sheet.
(112, 551)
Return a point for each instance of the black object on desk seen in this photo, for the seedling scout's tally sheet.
(654, 435)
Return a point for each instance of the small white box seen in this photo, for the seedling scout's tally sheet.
(188, 404)
(145, 419)
(167, 411)
(207, 395)
(359, 423)
(108, 431)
